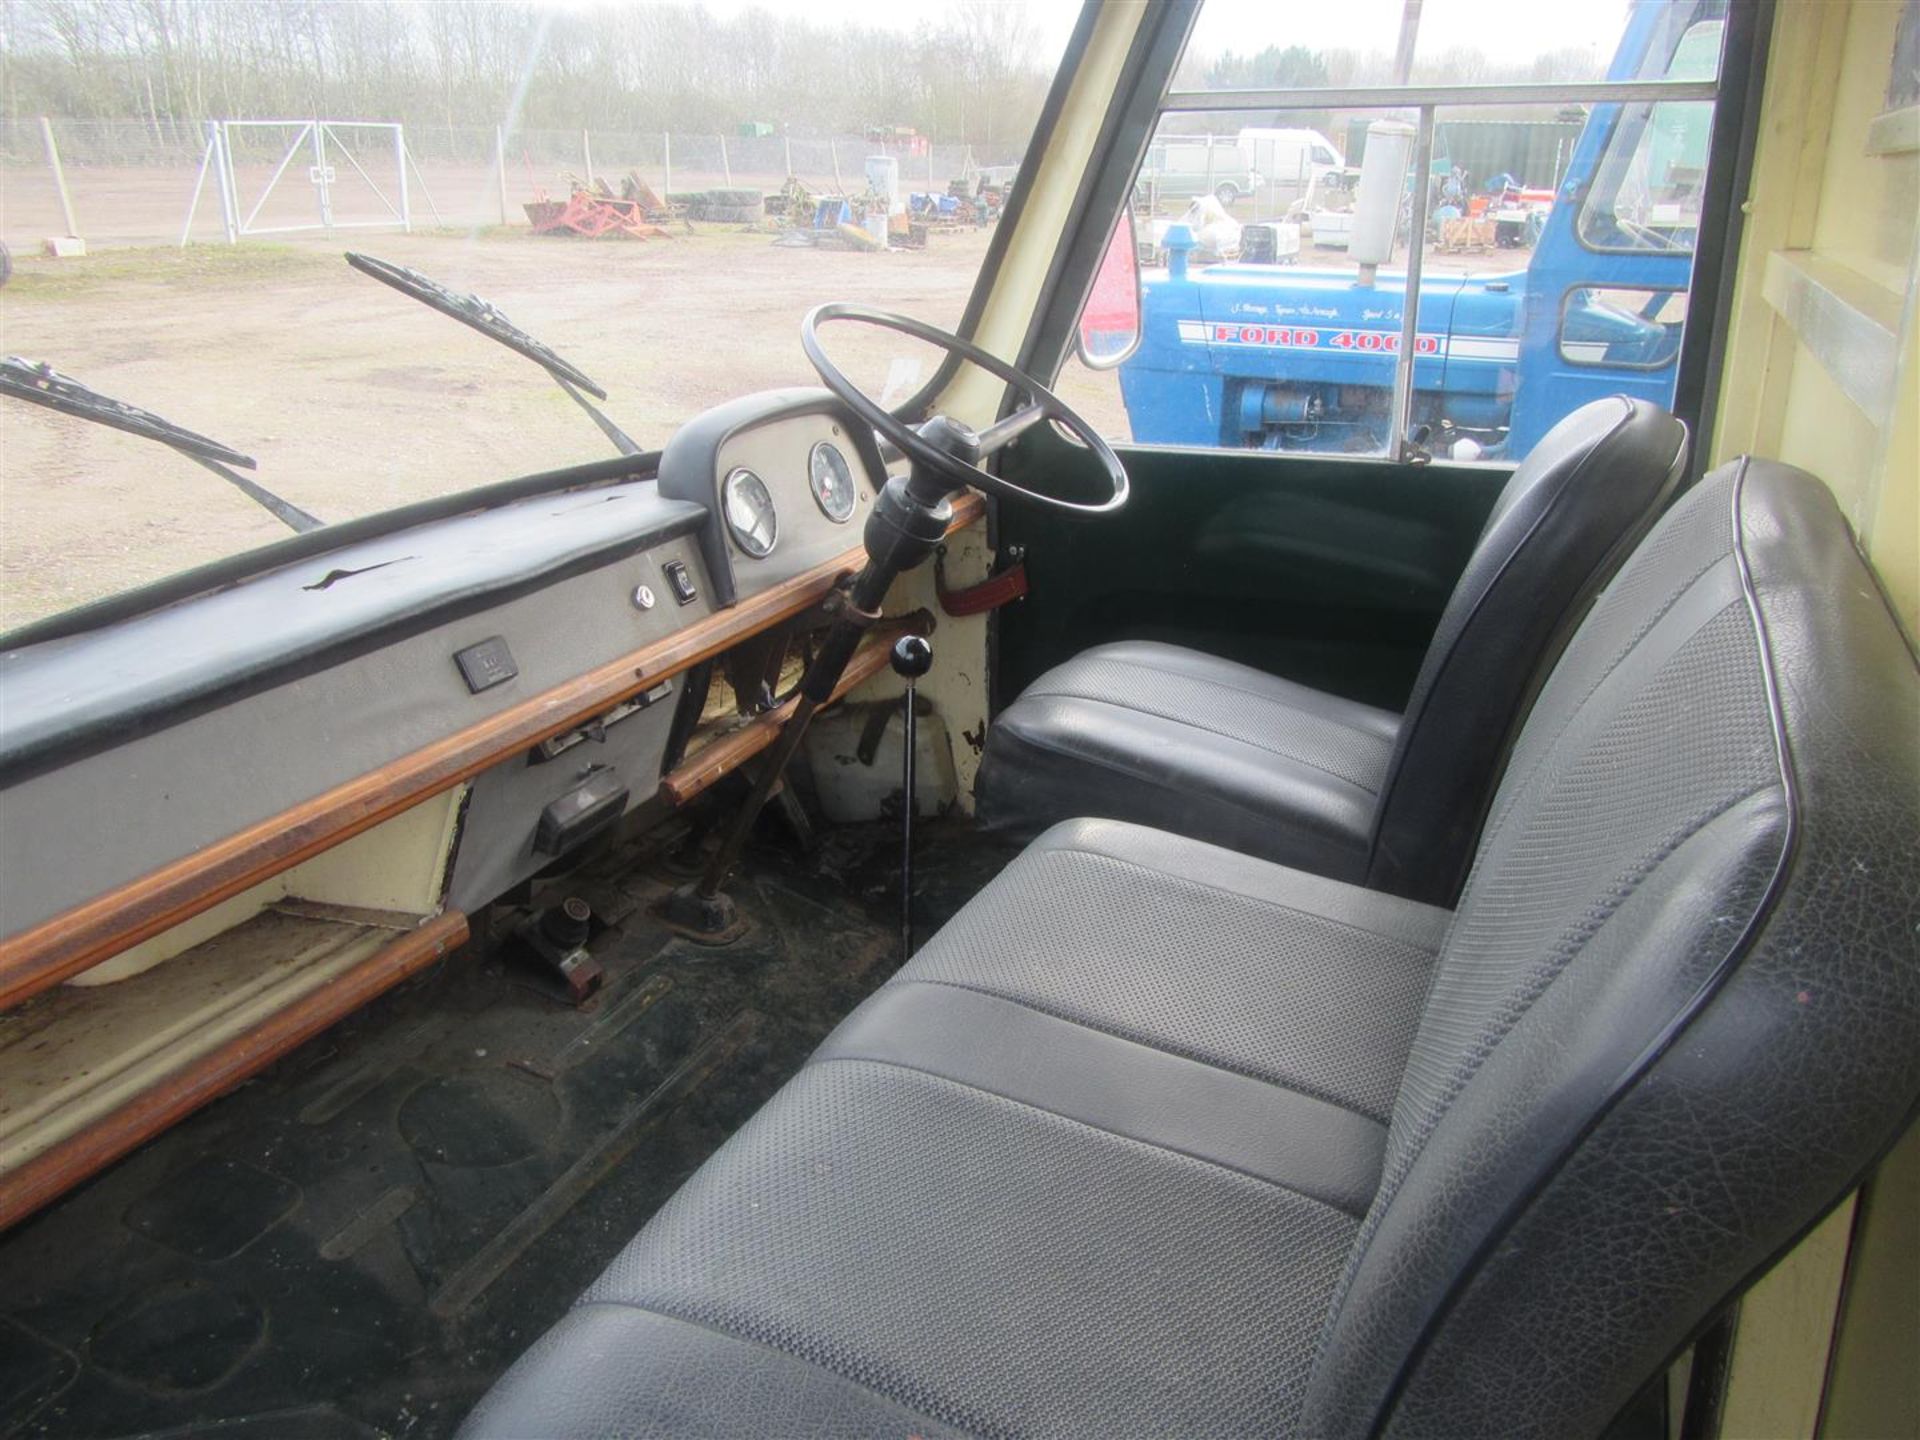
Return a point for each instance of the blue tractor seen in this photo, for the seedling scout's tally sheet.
(1285, 358)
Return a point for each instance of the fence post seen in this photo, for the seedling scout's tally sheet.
(400, 163)
(223, 175)
(833, 153)
(789, 144)
(59, 177)
(318, 132)
(199, 184)
(666, 149)
(500, 167)
(725, 167)
(586, 153)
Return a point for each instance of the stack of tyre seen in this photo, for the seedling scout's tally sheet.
(730, 206)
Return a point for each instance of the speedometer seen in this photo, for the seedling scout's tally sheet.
(832, 481)
(750, 515)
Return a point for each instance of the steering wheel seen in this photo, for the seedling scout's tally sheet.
(1645, 237)
(953, 465)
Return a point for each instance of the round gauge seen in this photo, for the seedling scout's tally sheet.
(750, 514)
(832, 481)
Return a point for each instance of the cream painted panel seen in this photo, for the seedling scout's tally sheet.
(957, 685)
(400, 864)
(1823, 201)
(1780, 1340)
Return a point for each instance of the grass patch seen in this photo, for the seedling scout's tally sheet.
(36, 277)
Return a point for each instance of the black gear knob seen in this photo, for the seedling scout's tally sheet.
(912, 657)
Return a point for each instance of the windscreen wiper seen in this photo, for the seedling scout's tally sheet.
(480, 314)
(43, 385)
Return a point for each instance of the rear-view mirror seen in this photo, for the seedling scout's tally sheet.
(1110, 320)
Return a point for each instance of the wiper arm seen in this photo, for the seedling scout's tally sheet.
(472, 311)
(44, 386)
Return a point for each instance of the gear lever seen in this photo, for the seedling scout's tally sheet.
(912, 657)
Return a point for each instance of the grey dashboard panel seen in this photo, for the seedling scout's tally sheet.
(79, 829)
(68, 695)
(499, 834)
(772, 434)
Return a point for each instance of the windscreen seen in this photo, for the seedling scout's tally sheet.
(657, 192)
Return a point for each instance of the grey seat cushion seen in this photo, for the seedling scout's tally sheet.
(1185, 741)
(1043, 1182)
(1108, 1157)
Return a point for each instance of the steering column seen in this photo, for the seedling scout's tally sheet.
(908, 520)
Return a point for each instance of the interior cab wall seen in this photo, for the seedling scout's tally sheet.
(1329, 572)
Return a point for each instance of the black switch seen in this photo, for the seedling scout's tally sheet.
(487, 664)
(580, 812)
(681, 580)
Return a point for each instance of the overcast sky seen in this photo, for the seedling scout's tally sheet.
(1505, 29)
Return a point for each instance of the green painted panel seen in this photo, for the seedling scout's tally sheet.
(1326, 570)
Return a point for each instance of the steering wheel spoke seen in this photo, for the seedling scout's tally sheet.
(1004, 432)
(942, 461)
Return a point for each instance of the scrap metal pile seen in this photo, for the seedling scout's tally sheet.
(595, 212)
(870, 219)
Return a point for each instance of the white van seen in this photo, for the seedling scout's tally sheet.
(1186, 166)
(1280, 164)
(1286, 160)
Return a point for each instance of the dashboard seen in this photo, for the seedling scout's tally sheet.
(256, 716)
(243, 801)
(789, 476)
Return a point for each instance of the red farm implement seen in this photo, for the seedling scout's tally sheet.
(597, 216)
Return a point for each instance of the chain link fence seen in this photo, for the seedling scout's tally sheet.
(133, 182)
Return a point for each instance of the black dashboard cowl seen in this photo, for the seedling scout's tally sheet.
(73, 694)
(690, 468)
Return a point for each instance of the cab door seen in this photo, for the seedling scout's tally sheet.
(1331, 565)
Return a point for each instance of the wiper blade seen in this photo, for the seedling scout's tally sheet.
(478, 314)
(42, 385)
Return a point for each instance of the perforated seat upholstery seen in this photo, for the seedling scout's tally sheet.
(1189, 742)
(1159, 1139)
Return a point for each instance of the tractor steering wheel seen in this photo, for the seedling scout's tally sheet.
(953, 465)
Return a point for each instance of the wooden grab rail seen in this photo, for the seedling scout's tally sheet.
(95, 929)
(54, 1171)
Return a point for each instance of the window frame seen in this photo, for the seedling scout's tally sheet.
(1566, 303)
(1734, 92)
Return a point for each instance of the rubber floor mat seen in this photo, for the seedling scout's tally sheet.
(359, 1240)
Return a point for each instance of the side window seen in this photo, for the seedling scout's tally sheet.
(1646, 193)
(1622, 329)
(1279, 225)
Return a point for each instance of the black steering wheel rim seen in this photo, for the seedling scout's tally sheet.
(929, 456)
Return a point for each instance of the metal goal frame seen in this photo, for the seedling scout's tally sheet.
(318, 137)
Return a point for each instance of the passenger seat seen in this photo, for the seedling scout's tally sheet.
(1185, 741)
(1155, 1139)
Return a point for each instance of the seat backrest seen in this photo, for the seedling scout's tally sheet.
(1573, 510)
(1677, 1013)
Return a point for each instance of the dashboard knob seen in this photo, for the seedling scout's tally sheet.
(912, 656)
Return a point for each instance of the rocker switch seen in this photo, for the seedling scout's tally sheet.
(681, 580)
(487, 664)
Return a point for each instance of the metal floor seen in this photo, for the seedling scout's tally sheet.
(358, 1240)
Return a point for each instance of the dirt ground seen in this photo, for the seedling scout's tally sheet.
(354, 399)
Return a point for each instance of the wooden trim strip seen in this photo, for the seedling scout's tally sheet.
(92, 931)
(713, 762)
(53, 1172)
